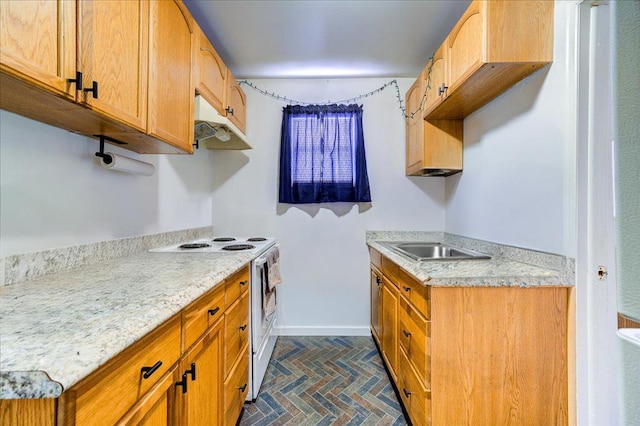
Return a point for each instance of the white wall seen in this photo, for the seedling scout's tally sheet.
(53, 193)
(518, 183)
(324, 256)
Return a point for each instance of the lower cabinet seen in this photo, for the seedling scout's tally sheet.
(376, 304)
(475, 355)
(192, 370)
(390, 325)
(199, 387)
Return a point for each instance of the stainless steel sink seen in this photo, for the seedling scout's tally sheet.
(433, 251)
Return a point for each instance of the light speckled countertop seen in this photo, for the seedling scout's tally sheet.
(509, 266)
(57, 329)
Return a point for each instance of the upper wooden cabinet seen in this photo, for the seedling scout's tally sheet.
(215, 83)
(46, 57)
(113, 47)
(414, 126)
(236, 103)
(171, 93)
(117, 68)
(494, 45)
(435, 79)
(432, 148)
(210, 72)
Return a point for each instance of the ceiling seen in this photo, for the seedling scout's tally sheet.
(319, 39)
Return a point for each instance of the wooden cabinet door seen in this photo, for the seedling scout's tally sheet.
(113, 53)
(154, 408)
(437, 82)
(171, 94)
(390, 326)
(376, 304)
(202, 403)
(236, 103)
(38, 43)
(211, 72)
(465, 45)
(415, 126)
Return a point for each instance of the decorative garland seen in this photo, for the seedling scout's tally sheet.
(354, 99)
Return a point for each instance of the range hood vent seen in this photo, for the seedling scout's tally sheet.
(213, 131)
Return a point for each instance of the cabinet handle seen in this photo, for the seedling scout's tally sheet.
(212, 312)
(243, 327)
(245, 282)
(229, 110)
(406, 288)
(442, 89)
(378, 280)
(407, 394)
(406, 333)
(183, 383)
(192, 371)
(243, 387)
(93, 90)
(77, 80)
(148, 371)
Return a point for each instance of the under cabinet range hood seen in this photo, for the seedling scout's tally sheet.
(214, 131)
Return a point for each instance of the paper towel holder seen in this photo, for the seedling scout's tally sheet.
(107, 158)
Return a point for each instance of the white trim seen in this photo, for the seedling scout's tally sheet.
(595, 319)
(322, 331)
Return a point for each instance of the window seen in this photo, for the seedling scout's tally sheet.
(322, 157)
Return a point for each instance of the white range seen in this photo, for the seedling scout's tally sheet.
(263, 339)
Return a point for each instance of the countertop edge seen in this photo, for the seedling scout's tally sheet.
(28, 385)
(518, 281)
(35, 384)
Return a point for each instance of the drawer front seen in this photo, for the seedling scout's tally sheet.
(414, 334)
(201, 314)
(236, 388)
(236, 331)
(106, 395)
(415, 292)
(375, 257)
(236, 285)
(416, 399)
(391, 270)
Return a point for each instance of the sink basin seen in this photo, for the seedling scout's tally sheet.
(433, 251)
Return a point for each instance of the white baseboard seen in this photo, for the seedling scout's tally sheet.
(321, 331)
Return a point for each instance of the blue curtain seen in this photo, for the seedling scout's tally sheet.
(322, 157)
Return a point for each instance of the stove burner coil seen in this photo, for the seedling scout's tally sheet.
(256, 239)
(223, 239)
(238, 247)
(194, 246)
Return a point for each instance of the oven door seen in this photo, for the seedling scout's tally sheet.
(264, 303)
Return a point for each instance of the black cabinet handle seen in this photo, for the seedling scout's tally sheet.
(243, 327)
(245, 282)
(406, 393)
(406, 333)
(243, 387)
(229, 110)
(442, 89)
(406, 288)
(93, 90)
(378, 280)
(148, 371)
(183, 383)
(212, 312)
(77, 80)
(192, 371)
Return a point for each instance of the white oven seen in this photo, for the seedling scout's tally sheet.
(263, 305)
(264, 314)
